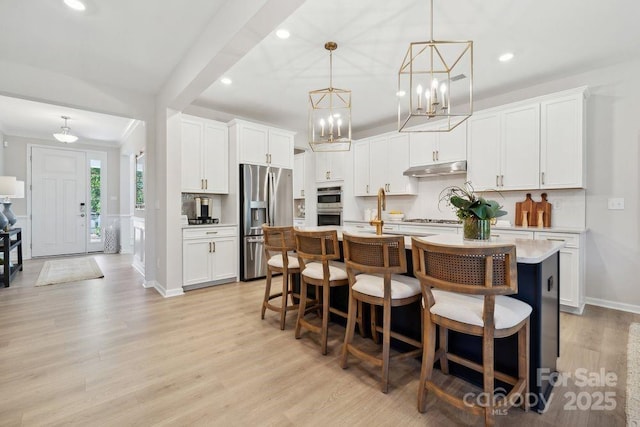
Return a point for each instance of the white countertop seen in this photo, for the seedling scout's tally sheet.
(574, 230)
(528, 251)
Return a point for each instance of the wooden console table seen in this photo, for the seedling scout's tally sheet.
(7, 244)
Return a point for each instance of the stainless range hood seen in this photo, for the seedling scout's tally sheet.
(438, 169)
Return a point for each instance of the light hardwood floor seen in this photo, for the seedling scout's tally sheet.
(109, 352)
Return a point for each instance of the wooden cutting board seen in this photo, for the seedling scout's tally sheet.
(544, 207)
(533, 211)
(527, 206)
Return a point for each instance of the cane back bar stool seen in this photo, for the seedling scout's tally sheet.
(464, 290)
(380, 261)
(318, 252)
(279, 245)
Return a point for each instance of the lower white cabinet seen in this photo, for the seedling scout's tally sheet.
(572, 269)
(428, 229)
(209, 255)
(514, 234)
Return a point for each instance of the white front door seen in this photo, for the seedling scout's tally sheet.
(59, 205)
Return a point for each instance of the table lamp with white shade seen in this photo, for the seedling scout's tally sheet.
(19, 194)
(7, 189)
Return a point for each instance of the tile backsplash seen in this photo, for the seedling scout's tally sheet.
(189, 205)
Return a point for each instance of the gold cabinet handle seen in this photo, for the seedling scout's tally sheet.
(542, 177)
(213, 245)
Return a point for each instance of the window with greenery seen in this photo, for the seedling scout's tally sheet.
(95, 181)
(139, 181)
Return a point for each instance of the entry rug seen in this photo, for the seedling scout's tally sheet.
(68, 270)
(633, 376)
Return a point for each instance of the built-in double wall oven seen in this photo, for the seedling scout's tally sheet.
(330, 206)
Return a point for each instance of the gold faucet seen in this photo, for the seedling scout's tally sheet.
(382, 205)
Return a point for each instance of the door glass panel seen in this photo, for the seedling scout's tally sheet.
(95, 226)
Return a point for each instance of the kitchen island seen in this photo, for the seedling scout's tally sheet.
(538, 286)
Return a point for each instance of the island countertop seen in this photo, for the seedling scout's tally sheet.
(527, 251)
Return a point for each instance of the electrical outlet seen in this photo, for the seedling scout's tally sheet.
(615, 204)
(557, 204)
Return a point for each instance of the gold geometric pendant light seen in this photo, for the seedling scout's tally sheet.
(435, 84)
(330, 114)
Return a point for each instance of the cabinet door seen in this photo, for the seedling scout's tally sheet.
(520, 149)
(562, 143)
(422, 148)
(322, 166)
(483, 151)
(298, 176)
(280, 149)
(378, 163)
(253, 140)
(215, 157)
(397, 162)
(452, 145)
(336, 165)
(569, 277)
(361, 169)
(224, 259)
(192, 177)
(196, 265)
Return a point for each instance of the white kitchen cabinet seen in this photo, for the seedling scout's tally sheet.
(562, 142)
(388, 159)
(329, 166)
(209, 255)
(298, 176)
(572, 269)
(205, 156)
(361, 160)
(427, 148)
(263, 145)
(503, 149)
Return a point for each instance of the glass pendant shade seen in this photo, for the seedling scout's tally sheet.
(65, 135)
(435, 84)
(330, 114)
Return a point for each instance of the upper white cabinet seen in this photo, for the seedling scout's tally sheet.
(529, 145)
(329, 166)
(503, 149)
(361, 179)
(562, 142)
(428, 148)
(380, 162)
(263, 145)
(205, 156)
(298, 176)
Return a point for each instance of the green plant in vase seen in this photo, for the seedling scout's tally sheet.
(475, 211)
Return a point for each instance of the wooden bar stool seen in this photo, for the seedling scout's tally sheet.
(380, 260)
(317, 252)
(468, 296)
(279, 244)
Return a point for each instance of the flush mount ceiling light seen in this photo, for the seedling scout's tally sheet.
(438, 77)
(75, 4)
(226, 81)
(330, 114)
(65, 135)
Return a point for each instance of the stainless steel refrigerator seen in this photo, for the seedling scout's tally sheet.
(266, 197)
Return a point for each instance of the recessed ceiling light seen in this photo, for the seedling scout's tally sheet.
(400, 93)
(226, 81)
(283, 34)
(505, 57)
(75, 4)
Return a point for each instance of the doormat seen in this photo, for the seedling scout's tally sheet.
(68, 270)
(633, 376)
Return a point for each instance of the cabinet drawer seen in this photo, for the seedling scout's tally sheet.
(570, 240)
(513, 234)
(208, 232)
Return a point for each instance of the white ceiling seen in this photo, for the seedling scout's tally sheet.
(136, 46)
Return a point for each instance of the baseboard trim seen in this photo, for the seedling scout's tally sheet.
(139, 267)
(631, 308)
(148, 284)
(167, 293)
(572, 310)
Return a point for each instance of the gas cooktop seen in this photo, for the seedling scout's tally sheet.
(433, 221)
